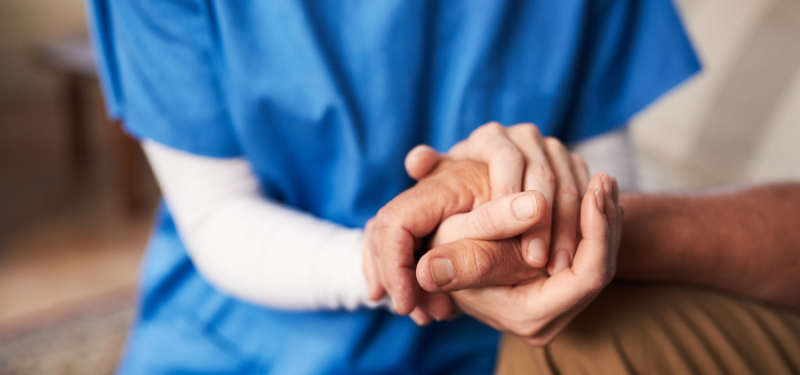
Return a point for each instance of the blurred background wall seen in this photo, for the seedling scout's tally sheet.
(24, 25)
(739, 120)
(70, 243)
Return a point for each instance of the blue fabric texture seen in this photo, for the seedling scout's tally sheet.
(325, 98)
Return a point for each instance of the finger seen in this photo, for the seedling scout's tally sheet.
(397, 267)
(473, 263)
(538, 176)
(581, 172)
(500, 218)
(420, 317)
(591, 258)
(546, 302)
(374, 288)
(565, 211)
(420, 161)
(490, 144)
(438, 306)
(568, 287)
(399, 226)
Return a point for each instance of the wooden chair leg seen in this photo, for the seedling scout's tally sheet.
(75, 108)
(126, 162)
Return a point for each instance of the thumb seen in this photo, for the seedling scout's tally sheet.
(500, 218)
(474, 263)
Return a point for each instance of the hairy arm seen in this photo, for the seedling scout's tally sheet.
(740, 240)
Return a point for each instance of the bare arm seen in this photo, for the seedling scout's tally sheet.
(743, 240)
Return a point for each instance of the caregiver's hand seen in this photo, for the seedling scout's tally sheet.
(540, 309)
(520, 159)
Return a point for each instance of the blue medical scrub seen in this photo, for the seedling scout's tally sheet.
(325, 98)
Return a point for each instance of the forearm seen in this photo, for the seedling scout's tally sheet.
(254, 248)
(743, 241)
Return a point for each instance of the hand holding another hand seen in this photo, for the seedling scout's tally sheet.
(520, 159)
(538, 308)
(460, 182)
(490, 246)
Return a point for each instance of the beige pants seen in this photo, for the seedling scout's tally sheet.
(651, 329)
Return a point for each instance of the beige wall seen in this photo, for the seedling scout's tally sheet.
(739, 119)
(25, 24)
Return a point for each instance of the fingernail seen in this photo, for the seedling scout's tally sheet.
(442, 271)
(560, 262)
(524, 207)
(598, 196)
(536, 253)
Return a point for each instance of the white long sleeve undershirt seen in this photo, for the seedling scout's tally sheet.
(254, 248)
(266, 253)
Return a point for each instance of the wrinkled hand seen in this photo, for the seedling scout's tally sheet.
(539, 309)
(397, 231)
(520, 159)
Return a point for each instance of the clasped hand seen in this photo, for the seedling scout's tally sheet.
(507, 234)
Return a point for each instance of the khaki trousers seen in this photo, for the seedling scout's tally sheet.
(653, 329)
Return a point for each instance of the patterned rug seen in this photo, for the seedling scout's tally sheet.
(85, 343)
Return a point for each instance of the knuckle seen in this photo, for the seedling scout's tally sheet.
(383, 218)
(485, 224)
(488, 129)
(529, 129)
(507, 152)
(554, 145)
(569, 192)
(482, 261)
(493, 126)
(544, 174)
(458, 149)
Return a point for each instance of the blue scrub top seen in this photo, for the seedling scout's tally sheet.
(325, 98)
